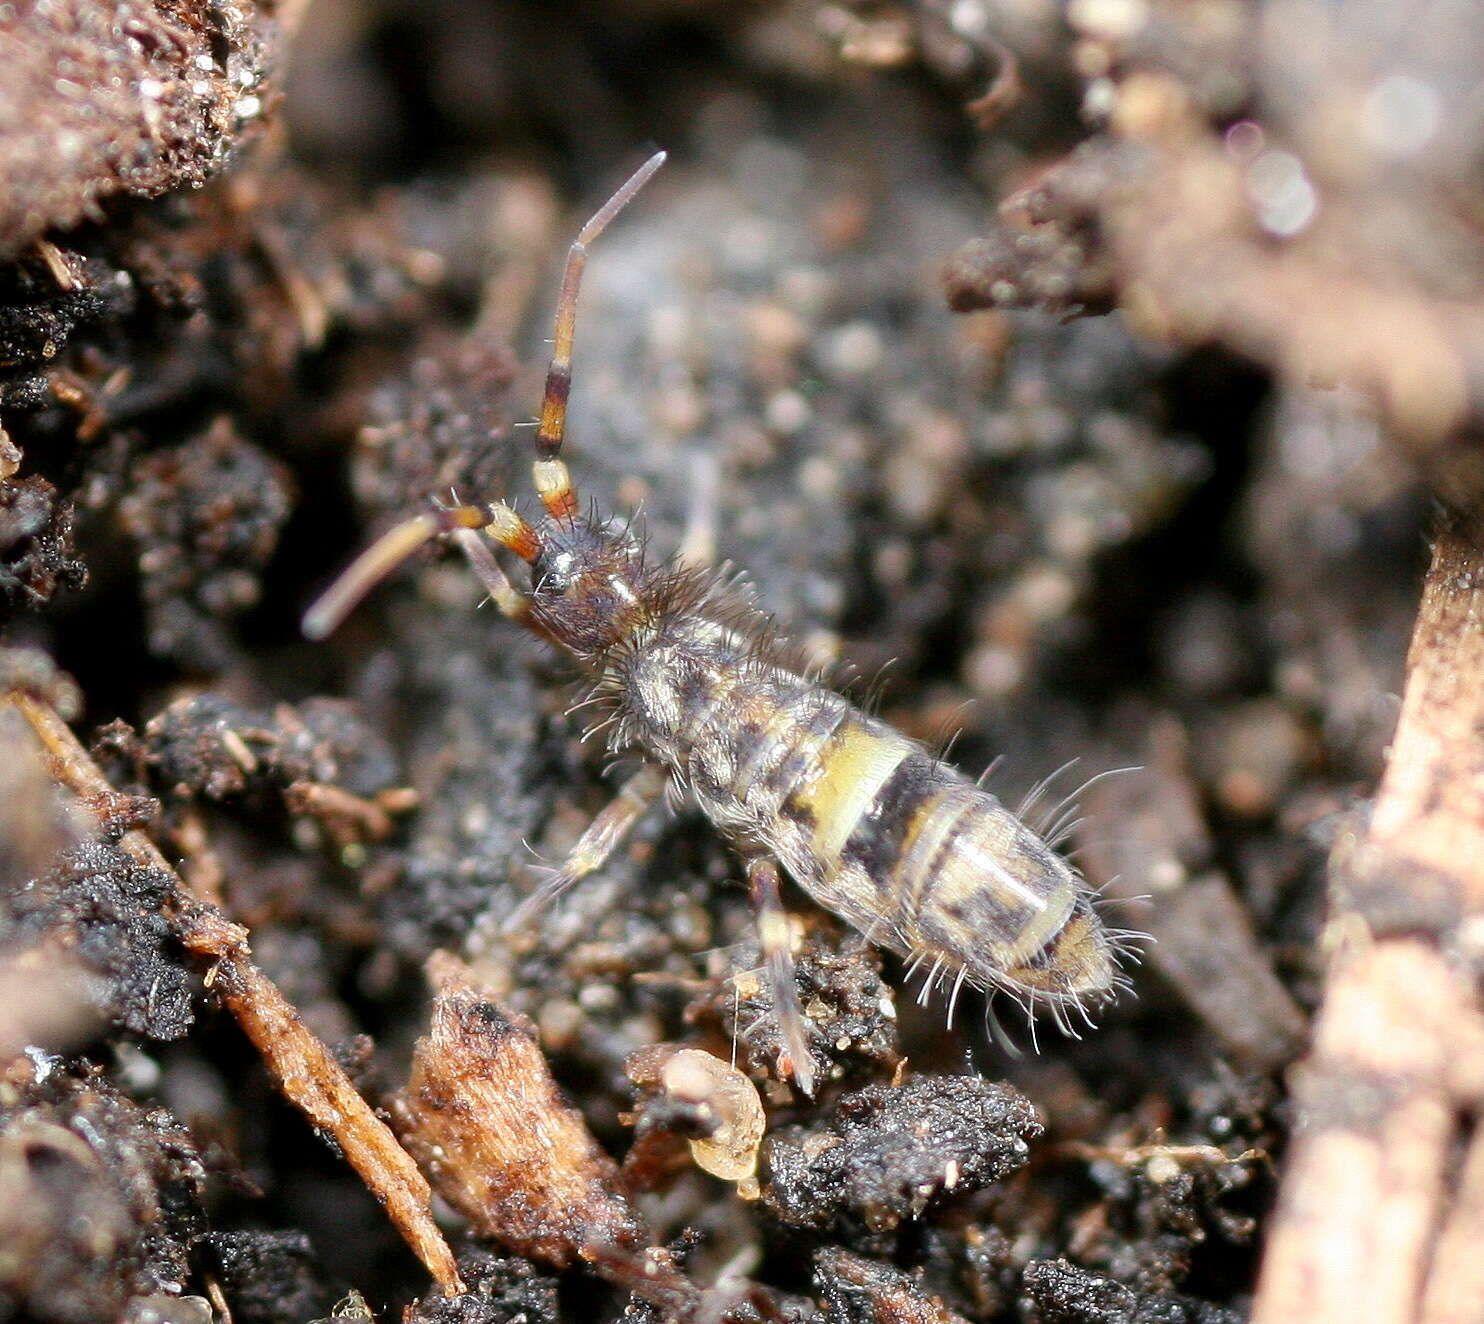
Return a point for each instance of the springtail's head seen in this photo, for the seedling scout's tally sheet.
(574, 541)
(589, 587)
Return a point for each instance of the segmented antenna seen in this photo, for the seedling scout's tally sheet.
(379, 560)
(553, 482)
(500, 523)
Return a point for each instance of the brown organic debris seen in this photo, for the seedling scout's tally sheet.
(37, 553)
(1291, 205)
(1399, 1044)
(483, 1116)
(205, 517)
(304, 1068)
(317, 1085)
(100, 1198)
(104, 99)
(861, 1291)
(44, 998)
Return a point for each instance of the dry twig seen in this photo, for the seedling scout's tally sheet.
(304, 1068)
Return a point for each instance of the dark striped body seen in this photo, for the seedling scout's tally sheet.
(913, 854)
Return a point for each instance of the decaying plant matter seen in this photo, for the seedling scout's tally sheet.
(482, 1114)
(1398, 1052)
(303, 1067)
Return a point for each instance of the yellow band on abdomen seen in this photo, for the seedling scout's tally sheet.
(853, 767)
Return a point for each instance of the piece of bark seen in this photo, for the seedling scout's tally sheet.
(306, 1071)
(486, 1120)
(1399, 1043)
(1360, 1199)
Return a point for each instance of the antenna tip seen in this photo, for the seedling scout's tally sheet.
(316, 626)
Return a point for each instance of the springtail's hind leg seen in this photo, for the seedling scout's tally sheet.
(778, 959)
(634, 799)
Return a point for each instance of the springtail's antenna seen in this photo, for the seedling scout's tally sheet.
(553, 482)
(379, 560)
(500, 523)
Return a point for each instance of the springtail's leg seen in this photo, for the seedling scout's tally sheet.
(496, 583)
(778, 960)
(634, 799)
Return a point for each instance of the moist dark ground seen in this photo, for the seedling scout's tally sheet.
(1125, 538)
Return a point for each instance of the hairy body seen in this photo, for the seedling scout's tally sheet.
(868, 822)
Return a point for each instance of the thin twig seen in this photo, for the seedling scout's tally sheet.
(305, 1069)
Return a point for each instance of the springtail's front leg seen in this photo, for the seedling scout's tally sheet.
(775, 938)
(604, 834)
